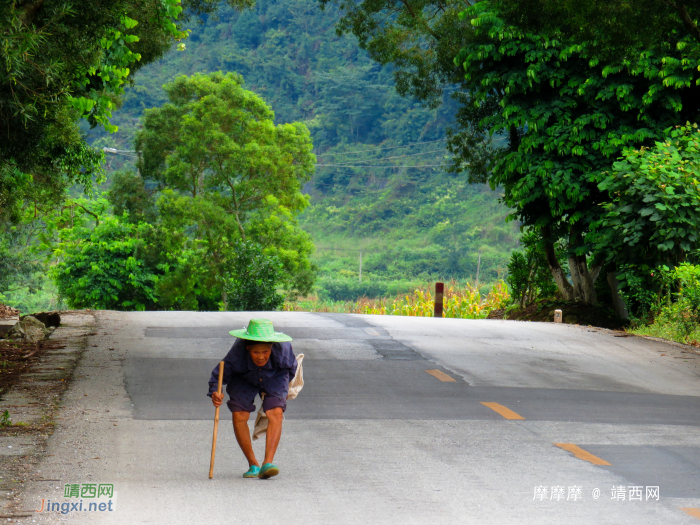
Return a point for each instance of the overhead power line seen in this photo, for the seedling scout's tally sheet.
(132, 154)
(381, 149)
(371, 166)
(398, 157)
(114, 150)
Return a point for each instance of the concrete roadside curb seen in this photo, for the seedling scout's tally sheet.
(623, 333)
(34, 402)
(94, 413)
(689, 348)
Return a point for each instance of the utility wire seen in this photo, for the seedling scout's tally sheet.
(130, 154)
(390, 158)
(380, 149)
(341, 249)
(114, 150)
(370, 166)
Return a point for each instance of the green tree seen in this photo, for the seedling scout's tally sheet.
(16, 264)
(544, 110)
(63, 61)
(568, 116)
(239, 176)
(128, 194)
(652, 217)
(528, 275)
(101, 268)
(613, 26)
(251, 280)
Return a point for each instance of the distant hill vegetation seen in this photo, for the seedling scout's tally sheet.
(380, 185)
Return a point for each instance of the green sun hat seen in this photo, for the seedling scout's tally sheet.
(260, 330)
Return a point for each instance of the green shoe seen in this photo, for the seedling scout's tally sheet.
(252, 472)
(268, 470)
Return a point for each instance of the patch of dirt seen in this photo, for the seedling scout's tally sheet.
(33, 379)
(572, 313)
(17, 358)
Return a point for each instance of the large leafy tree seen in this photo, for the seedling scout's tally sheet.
(63, 61)
(235, 174)
(613, 27)
(559, 113)
(569, 116)
(652, 217)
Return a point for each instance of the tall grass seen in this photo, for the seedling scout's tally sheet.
(676, 312)
(462, 301)
(675, 322)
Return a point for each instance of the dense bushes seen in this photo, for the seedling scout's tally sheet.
(675, 307)
(124, 266)
(252, 279)
(102, 269)
(352, 289)
(529, 277)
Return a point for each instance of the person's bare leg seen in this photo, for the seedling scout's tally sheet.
(274, 432)
(240, 428)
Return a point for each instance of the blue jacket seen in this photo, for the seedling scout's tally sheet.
(273, 378)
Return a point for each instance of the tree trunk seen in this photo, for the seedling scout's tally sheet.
(560, 280)
(595, 271)
(587, 282)
(529, 289)
(583, 282)
(688, 21)
(618, 301)
(513, 138)
(576, 279)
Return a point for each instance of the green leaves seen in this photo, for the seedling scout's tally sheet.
(128, 23)
(235, 174)
(96, 85)
(167, 12)
(101, 269)
(529, 277)
(251, 279)
(63, 61)
(630, 230)
(567, 116)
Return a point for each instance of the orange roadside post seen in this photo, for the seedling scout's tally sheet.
(439, 295)
(216, 422)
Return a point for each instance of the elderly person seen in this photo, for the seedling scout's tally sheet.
(260, 362)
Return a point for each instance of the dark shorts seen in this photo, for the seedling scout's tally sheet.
(242, 396)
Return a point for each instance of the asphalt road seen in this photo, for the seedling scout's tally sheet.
(401, 421)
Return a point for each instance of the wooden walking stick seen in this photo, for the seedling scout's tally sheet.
(216, 422)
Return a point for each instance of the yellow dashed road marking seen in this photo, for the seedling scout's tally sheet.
(690, 511)
(442, 376)
(581, 454)
(504, 411)
(371, 331)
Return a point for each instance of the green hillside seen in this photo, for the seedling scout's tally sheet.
(380, 185)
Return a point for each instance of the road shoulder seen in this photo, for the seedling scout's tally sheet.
(34, 405)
